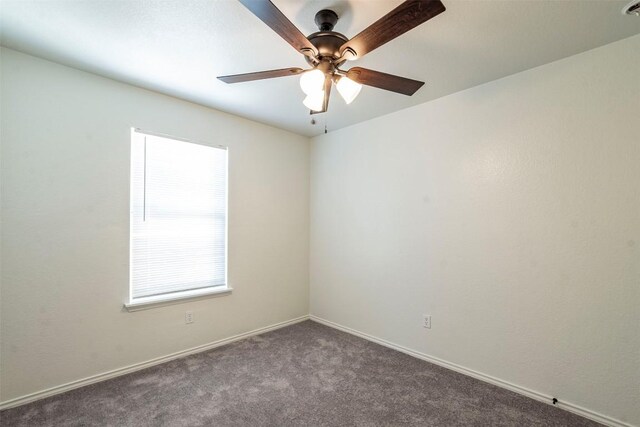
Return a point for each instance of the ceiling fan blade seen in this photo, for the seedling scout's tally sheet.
(403, 18)
(271, 15)
(384, 81)
(327, 93)
(260, 75)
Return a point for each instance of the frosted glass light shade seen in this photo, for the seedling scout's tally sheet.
(312, 81)
(314, 101)
(348, 89)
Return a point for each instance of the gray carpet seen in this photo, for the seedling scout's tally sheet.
(303, 375)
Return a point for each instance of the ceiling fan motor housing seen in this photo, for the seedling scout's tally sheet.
(327, 41)
(328, 44)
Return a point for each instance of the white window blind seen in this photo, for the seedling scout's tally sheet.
(178, 216)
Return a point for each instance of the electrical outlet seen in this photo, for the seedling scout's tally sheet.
(188, 317)
(426, 321)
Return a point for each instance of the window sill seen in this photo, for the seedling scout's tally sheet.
(178, 298)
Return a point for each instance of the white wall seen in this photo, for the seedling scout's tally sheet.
(65, 226)
(510, 212)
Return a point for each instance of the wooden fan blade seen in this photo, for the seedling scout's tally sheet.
(271, 15)
(403, 18)
(384, 81)
(260, 75)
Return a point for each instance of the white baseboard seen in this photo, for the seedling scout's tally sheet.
(142, 365)
(603, 419)
(579, 410)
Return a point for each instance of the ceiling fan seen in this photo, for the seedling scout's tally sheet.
(326, 50)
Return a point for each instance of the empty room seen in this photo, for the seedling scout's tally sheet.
(319, 213)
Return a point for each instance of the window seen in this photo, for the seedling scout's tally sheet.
(178, 238)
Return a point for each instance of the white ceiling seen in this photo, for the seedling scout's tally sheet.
(178, 47)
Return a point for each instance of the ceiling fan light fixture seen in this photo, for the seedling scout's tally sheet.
(348, 89)
(326, 50)
(312, 81)
(314, 101)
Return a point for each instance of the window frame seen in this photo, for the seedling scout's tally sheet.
(143, 303)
